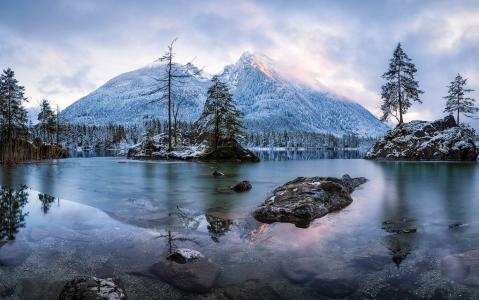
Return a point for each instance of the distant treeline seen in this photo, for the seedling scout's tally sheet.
(114, 136)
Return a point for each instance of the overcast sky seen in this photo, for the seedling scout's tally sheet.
(62, 50)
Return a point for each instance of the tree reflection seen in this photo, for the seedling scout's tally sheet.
(12, 217)
(47, 201)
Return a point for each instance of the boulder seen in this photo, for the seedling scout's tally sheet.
(304, 199)
(462, 267)
(242, 186)
(93, 288)
(421, 140)
(196, 276)
(184, 255)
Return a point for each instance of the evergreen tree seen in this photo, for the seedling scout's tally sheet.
(13, 116)
(401, 88)
(47, 120)
(457, 102)
(221, 118)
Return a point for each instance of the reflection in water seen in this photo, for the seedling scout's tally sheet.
(277, 155)
(47, 201)
(217, 226)
(12, 217)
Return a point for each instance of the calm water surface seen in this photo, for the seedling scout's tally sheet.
(104, 216)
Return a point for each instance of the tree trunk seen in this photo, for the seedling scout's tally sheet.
(400, 96)
(169, 103)
(458, 109)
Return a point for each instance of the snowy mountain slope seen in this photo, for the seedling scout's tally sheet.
(268, 100)
(122, 99)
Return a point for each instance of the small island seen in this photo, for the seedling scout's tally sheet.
(442, 139)
(214, 136)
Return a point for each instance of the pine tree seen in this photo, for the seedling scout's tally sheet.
(401, 88)
(13, 116)
(221, 118)
(47, 120)
(457, 102)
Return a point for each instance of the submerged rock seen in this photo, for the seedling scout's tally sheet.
(184, 255)
(93, 288)
(196, 276)
(217, 173)
(422, 140)
(304, 199)
(462, 268)
(242, 186)
(404, 225)
(299, 270)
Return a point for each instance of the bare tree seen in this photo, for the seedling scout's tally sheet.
(172, 76)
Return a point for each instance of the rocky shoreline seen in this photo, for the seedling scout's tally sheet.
(440, 140)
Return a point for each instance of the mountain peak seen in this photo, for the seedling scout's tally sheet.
(259, 61)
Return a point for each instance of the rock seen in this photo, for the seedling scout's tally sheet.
(93, 288)
(403, 225)
(196, 276)
(242, 186)
(217, 173)
(462, 268)
(304, 199)
(334, 287)
(184, 255)
(421, 140)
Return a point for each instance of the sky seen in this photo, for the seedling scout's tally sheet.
(62, 50)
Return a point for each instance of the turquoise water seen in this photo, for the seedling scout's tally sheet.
(112, 216)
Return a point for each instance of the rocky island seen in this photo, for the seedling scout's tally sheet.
(156, 149)
(304, 199)
(440, 140)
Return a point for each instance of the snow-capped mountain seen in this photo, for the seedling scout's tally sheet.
(268, 100)
(126, 98)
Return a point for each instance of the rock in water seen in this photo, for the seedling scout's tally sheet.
(242, 186)
(93, 288)
(462, 268)
(217, 173)
(306, 198)
(421, 140)
(184, 255)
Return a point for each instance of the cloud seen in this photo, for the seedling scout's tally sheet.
(64, 49)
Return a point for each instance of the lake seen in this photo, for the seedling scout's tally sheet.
(106, 216)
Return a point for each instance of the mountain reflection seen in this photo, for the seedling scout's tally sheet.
(12, 217)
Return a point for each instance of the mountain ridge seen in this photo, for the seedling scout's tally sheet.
(269, 101)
